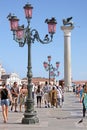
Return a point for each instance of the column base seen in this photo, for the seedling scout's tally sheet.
(30, 118)
(70, 89)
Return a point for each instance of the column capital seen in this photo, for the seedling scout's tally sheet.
(67, 30)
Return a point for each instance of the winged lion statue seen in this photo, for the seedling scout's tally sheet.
(68, 21)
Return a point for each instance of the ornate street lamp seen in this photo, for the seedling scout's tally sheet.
(52, 70)
(55, 73)
(27, 35)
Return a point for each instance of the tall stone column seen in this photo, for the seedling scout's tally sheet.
(67, 56)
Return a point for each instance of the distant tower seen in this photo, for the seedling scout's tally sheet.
(67, 54)
(2, 71)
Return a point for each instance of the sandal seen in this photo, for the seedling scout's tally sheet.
(5, 121)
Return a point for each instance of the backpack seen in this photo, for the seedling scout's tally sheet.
(85, 100)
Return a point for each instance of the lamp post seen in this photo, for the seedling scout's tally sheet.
(52, 70)
(55, 72)
(26, 35)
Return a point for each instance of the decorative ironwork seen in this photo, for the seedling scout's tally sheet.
(53, 71)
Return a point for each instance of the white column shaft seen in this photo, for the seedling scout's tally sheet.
(67, 60)
(67, 55)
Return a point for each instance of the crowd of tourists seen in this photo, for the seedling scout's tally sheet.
(50, 95)
(44, 95)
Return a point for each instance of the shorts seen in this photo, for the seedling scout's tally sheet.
(5, 102)
(15, 101)
(46, 97)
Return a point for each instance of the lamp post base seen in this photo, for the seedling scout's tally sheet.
(30, 118)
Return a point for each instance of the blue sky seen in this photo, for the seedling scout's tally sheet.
(14, 59)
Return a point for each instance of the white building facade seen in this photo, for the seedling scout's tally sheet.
(9, 78)
(14, 77)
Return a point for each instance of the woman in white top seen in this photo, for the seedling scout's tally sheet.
(39, 94)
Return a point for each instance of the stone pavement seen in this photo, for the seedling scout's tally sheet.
(65, 118)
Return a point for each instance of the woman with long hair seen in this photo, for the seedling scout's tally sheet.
(22, 96)
(39, 94)
(4, 102)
